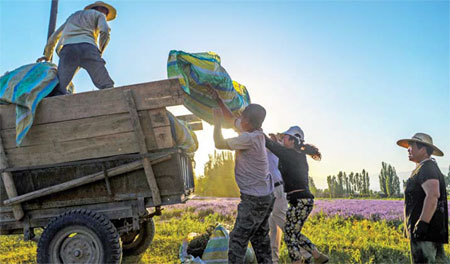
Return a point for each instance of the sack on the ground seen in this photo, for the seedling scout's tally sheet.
(197, 245)
(216, 250)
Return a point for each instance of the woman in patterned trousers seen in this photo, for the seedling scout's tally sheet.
(294, 171)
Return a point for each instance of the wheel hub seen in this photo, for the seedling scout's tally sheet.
(78, 249)
(77, 253)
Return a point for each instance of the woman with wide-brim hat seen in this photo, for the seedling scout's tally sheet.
(294, 170)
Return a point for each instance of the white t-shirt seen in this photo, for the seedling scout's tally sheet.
(251, 166)
(273, 167)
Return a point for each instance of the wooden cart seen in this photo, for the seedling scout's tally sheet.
(89, 168)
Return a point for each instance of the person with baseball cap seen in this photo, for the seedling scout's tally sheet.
(277, 219)
(426, 211)
(294, 169)
(77, 46)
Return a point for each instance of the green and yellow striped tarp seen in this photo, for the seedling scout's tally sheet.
(197, 72)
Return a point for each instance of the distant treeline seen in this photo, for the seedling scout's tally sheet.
(358, 184)
(218, 176)
(218, 180)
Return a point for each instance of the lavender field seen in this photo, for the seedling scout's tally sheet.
(390, 210)
(348, 230)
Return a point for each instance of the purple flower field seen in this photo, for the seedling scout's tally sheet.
(223, 206)
(369, 209)
(390, 210)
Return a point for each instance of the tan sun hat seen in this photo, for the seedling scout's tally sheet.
(421, 138)
(111, 10)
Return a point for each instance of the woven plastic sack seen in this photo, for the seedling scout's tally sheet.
(217, 248)
(184, 137)
(198, 73)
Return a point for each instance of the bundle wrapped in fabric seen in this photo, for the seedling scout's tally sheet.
(215, 250)
(25, 87)
(183, 135)
(198, 73)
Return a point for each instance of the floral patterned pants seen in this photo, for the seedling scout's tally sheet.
(295, 218)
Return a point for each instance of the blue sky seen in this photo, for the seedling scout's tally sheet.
(355, 75)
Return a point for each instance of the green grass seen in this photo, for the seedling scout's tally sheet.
(345, 241)
(14, 250)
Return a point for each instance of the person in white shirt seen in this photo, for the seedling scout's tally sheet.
(254, 181)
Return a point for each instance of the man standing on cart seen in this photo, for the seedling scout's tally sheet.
(77, 46)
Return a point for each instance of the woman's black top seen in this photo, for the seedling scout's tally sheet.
(294, 170)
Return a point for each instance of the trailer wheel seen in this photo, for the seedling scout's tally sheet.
(79, 236)
(136, 243)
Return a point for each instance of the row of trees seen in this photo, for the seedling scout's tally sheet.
(389, 181)
(218, 180)
(358, 184)
(343, 185)
(218, 176)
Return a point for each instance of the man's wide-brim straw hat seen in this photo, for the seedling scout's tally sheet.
(111, 10)
(421, 138)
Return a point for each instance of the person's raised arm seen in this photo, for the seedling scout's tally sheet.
(275, 147)
(226, 112)
(104, 33)
(219, 141)
(51, 43)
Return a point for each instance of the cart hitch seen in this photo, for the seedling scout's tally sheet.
(158, 212)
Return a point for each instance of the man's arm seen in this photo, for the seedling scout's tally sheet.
(104, 33)
(51, 43)
(219, 141)
(431, 189)
(275, 147)
(432, 194)
(226, 112)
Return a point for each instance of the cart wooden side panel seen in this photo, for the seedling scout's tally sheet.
(174, 178)
(82, 126)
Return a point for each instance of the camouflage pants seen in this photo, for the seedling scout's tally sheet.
(296, 216)
(251, 225)
(427, 252)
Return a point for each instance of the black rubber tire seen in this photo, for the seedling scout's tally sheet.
(141, 241)
(91, 224)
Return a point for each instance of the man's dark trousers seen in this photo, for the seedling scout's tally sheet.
(252, 225)
(427, 252)
(86, 56)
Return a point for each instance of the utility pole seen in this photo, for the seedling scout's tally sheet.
(52, 23)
